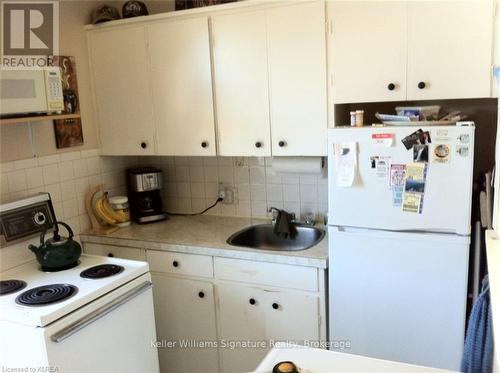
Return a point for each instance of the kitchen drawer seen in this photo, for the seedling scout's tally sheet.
(273, 274)
(116, 251)
(179, 263)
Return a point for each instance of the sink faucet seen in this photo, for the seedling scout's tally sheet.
(277, 213)
(282, 224)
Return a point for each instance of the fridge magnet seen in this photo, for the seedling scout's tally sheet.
(346, 163)
(382, 166)
(384, 139)
(442, 153)
(420, 153)
(412, 139)
(397, 175)
(414, 189)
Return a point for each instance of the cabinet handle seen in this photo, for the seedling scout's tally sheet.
(175, 263)
(144, 145)
(204, 144)
(421, 85)
(276, 306)
(252, 301)
(111, 255)
(391, 86)
(201, 294)
(281, 143)
(258, 144)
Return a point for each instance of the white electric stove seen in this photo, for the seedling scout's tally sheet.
(95, 317)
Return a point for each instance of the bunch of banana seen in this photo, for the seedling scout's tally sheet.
(105, 212)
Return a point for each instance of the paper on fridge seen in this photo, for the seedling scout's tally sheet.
(413, 195)
(346, 163)
(397, 182)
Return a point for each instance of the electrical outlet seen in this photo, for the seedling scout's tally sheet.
(241, 161)
(228, 194)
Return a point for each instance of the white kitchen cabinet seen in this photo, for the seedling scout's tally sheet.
(449, 49)
(241, 83)
(415, 50)
(264, 315)
(368, 50)
(241, 318)
(185, 312)
(131, 253)
(179, 53)
(122, 93)
(297, 72)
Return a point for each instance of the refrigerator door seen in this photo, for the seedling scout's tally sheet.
(399, 296)
(368, 203)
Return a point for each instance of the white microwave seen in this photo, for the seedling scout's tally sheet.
(31, 91)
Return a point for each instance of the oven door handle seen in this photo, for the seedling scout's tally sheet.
(100, 312)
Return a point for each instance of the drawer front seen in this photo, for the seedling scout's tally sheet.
(115, 251)
(273, 274)
(179, 263)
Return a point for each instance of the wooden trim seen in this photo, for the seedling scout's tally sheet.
(38, 118)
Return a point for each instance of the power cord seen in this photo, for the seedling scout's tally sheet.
(197, 213)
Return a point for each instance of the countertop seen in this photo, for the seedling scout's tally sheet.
(207, 235)
(314, 360)
(493, 259)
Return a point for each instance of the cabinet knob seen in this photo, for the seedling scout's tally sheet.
(421, 85)
(258, 144)
(276, 306)
(281, 143)
(201, 294)
(204, 144)
(111, 255)
(252, 301)
(144, 145)
(391, 86)
(175, 263)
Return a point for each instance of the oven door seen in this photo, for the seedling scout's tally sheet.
(115, 333)
(22, 92)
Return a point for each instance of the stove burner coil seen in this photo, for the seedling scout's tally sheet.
(101, 271)
(46, 294)
(11, 286)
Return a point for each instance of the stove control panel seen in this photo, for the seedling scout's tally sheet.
(26, 217)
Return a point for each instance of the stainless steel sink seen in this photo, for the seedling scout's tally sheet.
(262, 237)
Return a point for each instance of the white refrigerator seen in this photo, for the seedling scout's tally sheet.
(398, 272)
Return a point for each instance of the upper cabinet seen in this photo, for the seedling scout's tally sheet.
(241, 83)
(181, 79)
(449, 49)
(414, 50)
(368, 50)
(270, 81)
(122, 91)
(297, 79)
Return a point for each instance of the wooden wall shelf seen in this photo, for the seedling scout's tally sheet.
(38, 118)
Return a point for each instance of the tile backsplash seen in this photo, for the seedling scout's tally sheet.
(190, 184)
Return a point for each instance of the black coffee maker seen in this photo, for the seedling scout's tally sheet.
(144, 194)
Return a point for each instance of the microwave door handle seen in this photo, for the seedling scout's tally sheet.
(99, 312)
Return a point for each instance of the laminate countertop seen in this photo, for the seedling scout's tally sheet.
(207, 235)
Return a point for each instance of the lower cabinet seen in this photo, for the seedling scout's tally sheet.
(185, 314)
(251, 318)
(222, 315)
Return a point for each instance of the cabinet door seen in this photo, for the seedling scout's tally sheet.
(122, 91)
(184, 312)
(297, 64)
(241, 319)
(449, 49)
(291, 316)
(182, 87)
(368, 50)
(241, 84)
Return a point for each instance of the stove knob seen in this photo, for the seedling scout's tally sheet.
(39, 218)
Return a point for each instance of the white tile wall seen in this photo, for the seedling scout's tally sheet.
(192, 183)
(66, 177)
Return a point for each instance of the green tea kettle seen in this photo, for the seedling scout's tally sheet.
(57, 253)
